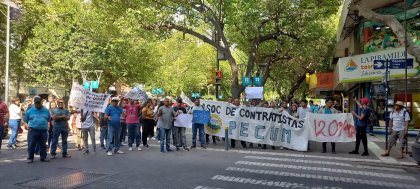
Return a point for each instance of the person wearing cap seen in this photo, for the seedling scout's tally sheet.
(61, 127)
(113, 115)
(37, 119)
(361, 125)
(4, 118)
(399, 119)
(179, 132)
(328, 109)
(15, 112)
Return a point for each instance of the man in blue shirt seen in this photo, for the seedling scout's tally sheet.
(37, 118)
(361, 124)
(61, 127)
(113, 114)
(328, 109)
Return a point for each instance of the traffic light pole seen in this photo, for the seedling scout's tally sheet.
(386, 103)
(217, 82)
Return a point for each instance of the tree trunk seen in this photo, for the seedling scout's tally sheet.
(236, 88)
(393, 23)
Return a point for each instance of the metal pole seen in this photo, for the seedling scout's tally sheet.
(226, 138)
(6, 94)
(406, 75)
(386, 104)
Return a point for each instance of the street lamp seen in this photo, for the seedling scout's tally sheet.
(9, 4)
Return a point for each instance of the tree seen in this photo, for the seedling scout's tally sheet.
(72, 36)
(244, 25)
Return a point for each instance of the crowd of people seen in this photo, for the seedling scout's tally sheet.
(129, 122)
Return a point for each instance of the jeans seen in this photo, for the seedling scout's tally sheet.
(200, 128)
(86, 132)
(133, 134)
(114, 132)
(180, 136)
(14, 126)
(165, 134)
(50, 135)
(361, 136)
(123, 133)
(148, 125)
(64, 132)
(1, 134)
(103, 136)
(37, 138)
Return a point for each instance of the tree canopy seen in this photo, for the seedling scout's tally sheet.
(172, 43)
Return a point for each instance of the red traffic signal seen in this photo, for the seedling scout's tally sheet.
(219, 74)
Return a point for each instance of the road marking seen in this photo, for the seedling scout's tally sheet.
(344, 171)
(378, 151)
(268, 182)
(324, 163)
(205, 187)
(326, 178)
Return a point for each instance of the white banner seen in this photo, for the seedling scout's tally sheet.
(137, 93)
(186, 100)
(256, 125)
(269, 126)
(87, 100)
(183, 120)
(254, 92)
(330, 127)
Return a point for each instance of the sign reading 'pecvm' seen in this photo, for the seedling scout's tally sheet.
(269, 126)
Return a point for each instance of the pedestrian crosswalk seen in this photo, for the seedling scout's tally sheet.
(289, 170)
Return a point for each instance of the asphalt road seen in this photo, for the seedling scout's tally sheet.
(209, 168)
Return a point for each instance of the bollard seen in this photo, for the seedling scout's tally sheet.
(226, 139)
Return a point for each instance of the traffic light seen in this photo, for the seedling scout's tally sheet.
(219, 76)
(211, 78)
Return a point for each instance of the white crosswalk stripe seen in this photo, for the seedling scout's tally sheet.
(268, 182)
(326, 169)
(326, 178)
(293, 170)
(323, 163)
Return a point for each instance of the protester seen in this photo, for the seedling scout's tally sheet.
(51, 99)
(294, 111)
(284, 107)
(303, 109)
(15, 112)
(103, 124)
(237, 103)
(328, 109)
(77, 117)
(180, 132)
(37, 119)
(60, 116)
(123, 124)
(113, 114)
(338, 106)
(132, 119)
(197, 126)
(399, 119)
(53, 106)
(314, 108)
(148, 122)
(361, 125)
(88, 129)
(4, 119)
(166, 115)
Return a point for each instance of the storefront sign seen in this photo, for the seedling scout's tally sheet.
(366, 67)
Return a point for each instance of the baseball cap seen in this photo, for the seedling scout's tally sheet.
(399, 103)
(37, 99)
(365, 100)
(115, 99)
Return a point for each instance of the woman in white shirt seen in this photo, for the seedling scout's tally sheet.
(15, 111)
